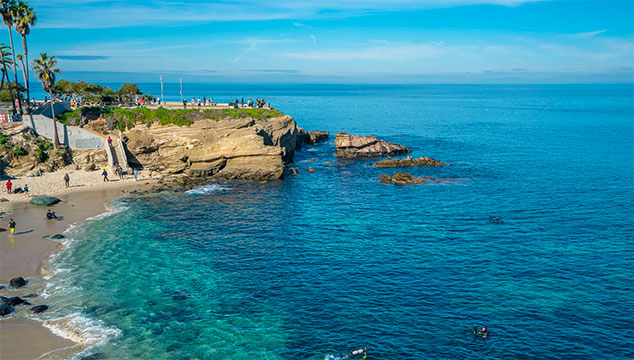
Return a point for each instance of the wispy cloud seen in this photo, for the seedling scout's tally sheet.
(589, 34)
(274, 71)
(314, 40)
(83, 57)
(116, 13)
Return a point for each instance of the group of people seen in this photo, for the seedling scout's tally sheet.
(259, 103)
(11, 190)
(119, 171)
(200, 102)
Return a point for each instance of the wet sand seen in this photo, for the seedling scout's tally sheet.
(24, 254)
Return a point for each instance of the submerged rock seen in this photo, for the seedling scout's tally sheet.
(44, 200)
(311, 169)
(39, 309)
(5, 310)
(408, 162)
(401, 178)
(16, 300)
(354, 146)
(17, 282)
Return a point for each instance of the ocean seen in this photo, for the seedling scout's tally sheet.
(533, 237)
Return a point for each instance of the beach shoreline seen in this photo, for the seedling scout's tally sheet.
(28, 252)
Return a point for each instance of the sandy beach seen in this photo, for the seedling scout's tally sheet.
(25, 253)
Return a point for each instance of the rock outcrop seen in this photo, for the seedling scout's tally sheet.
(22, 153)
(408, 162)
(244, 148)
(354, 146)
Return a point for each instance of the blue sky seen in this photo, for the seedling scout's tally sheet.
(347, 41)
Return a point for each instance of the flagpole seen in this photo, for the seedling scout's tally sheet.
(181, 89)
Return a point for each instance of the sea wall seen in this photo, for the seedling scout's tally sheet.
(71, 136)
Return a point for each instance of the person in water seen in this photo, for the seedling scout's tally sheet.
(484, 332)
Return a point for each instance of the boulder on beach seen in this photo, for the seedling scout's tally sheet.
(57, 236)
(44, 200)
(39, 309)
(17, 282)
(5, 310)
(408, 162)
(354, 146)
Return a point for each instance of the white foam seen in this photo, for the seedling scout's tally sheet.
(82, 329)
(210, 188)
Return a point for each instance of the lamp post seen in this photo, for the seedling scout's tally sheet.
(162, 98)
(181, 89)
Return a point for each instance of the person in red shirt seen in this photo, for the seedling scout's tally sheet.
(9, 184)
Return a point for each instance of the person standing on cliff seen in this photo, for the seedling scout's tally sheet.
(67, 180)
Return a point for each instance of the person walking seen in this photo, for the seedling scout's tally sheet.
(105, 174)
(67, 180)
(9, 185)
(11, 227)
(136, 174)
(109, 141)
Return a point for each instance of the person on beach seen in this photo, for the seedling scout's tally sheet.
(9, 185)
(66, 180)
(26, 188)
(136, 174)
(11, 226)
(184, 104)
(109, 141)
(50, 215)
(105, 175)
(149, 173)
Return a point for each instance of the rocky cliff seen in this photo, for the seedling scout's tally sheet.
(228, 148)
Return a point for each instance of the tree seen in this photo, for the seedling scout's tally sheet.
(128, 92)
(25, 18)
(45, 69)
(6, 65)
(8, 9)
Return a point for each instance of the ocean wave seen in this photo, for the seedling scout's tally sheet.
(209, 188)
(81, 329)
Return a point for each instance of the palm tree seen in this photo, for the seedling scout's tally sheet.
(6, 65)
(7, 10)
(45, 70)
(25, 18)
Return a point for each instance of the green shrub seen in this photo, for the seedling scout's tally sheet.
(26, 137)
(41, 155)
(18, 150)
(4, 138)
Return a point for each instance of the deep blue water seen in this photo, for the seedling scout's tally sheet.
(332, 261)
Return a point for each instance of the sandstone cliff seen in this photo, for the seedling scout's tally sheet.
(228, 148)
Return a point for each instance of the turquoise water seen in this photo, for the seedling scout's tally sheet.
(332, 261)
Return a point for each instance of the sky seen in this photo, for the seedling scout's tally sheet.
(358, 41)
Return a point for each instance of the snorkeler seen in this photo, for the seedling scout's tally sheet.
(484, 332)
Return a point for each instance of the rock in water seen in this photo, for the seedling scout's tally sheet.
(311, 169)
(16, 300)
(5, 310)
(353, 146)
(39, 309)
(316, 136)
(44, 200)
(385, 179)
(57, 236)
(422, 161)
(17, 282)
